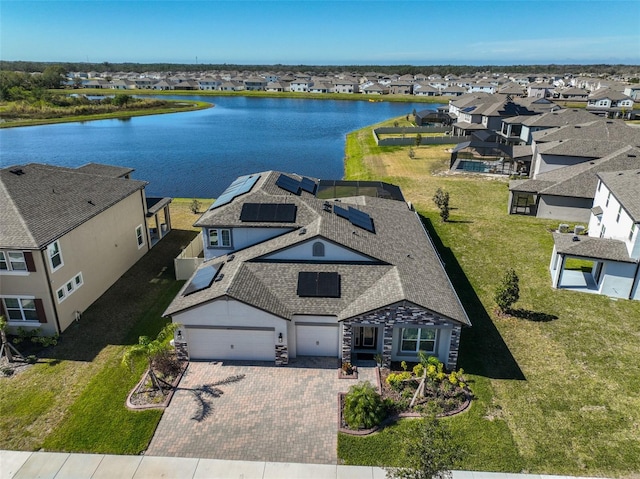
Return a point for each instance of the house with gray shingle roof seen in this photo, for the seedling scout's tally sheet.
(67, 235)
(300, 267)
(567, 193)
(612, 247)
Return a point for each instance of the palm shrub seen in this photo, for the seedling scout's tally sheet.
(363, 407)
(151, 350)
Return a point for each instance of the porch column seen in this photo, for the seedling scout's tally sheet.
(167, 218)
(347, 339)
(557, 280)
(387, 344)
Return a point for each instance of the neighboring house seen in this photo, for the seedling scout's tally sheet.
(375, 89)
(401, 87)
(301, 85)
(209, 83)
(572, 144)
(67, 235)
(575, 94)
(611, 102)
(633, 92)
(424, 89)
(612, 246)
(290, 270)
(346, 86)
(567, 193)
(255, 84)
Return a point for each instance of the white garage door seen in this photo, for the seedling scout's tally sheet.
(240, 344)
(317, 340)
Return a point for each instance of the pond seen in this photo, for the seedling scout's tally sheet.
(197, 154)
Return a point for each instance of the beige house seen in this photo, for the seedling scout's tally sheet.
(67, 235)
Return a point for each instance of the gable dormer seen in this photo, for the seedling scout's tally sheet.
(318, 249)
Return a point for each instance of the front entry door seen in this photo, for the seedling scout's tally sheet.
(366, 337)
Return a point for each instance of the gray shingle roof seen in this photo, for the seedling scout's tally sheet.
(625, 186)
(406, 266)
(45, 202)
(104, 170)
(590, 247)
(581, 180)
(605, 130)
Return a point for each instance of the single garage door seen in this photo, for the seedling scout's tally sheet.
(239, 344)
(317, 339)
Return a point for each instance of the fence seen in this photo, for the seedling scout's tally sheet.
(189, 258)
(413, 131)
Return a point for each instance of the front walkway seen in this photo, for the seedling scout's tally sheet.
(53, 465)
(272, 413)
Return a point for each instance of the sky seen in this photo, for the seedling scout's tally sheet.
(319, 32)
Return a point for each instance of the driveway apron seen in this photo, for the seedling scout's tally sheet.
(256, 412)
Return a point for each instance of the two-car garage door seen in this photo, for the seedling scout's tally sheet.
(231, 343)
(317, 339)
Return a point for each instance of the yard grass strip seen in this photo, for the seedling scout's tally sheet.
(556, 387)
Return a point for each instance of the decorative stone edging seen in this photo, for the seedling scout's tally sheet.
(167, 399)
(392, 419)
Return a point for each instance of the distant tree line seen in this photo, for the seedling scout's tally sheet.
(576, 69)
(15, 85)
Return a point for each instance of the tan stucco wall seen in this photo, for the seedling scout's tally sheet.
(102, 249)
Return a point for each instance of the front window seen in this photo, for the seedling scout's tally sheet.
(220, 238)
(418, 339)
(619, 213)
(633, 230)
(55, 256)
(20, 309)
(12, 261)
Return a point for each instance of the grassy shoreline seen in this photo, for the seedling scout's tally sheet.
(179, 107)
(266, 94)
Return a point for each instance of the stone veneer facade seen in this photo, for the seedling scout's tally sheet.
(282, 355)
(400, 314)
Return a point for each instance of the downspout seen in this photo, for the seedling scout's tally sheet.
(51, 295)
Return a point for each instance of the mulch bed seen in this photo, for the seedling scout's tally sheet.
(460, 403)
(144, 396)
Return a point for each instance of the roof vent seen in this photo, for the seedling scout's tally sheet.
(575, 238)
(230, 257)
(631, 156)
(326, 206)
(219, 277)
(17, 171)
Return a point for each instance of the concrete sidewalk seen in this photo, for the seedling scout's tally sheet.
(56, 465)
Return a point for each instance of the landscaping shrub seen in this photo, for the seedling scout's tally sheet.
(363, 407)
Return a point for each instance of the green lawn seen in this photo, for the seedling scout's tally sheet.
(557, 386)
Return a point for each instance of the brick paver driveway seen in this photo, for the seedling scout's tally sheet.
(279, 414)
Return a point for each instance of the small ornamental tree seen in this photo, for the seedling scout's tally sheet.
(195, 206)
(418, 139)
(430, 451)
(508, 291)
(363, 407)
(441, 199)
(150, 350)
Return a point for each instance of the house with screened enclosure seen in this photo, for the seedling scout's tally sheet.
(296, 266)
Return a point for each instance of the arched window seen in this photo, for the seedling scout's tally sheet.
(318, 249)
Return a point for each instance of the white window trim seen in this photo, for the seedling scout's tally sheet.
(66, 292)
(140, 241)
(18, 321)
(10, 269)
(50, 250)
(418, 340)
(219, 235)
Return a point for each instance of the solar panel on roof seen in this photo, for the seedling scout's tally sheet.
(288, 184)
(360, 219)
(286, 213)
(250, 212)
(202, 279)
(318, 284)
(308, 185)
(240, 186)
(268, 212)
(341, 212)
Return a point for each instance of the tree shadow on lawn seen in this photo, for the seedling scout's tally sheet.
(483, 352)
(131, 307)
(529, 315)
